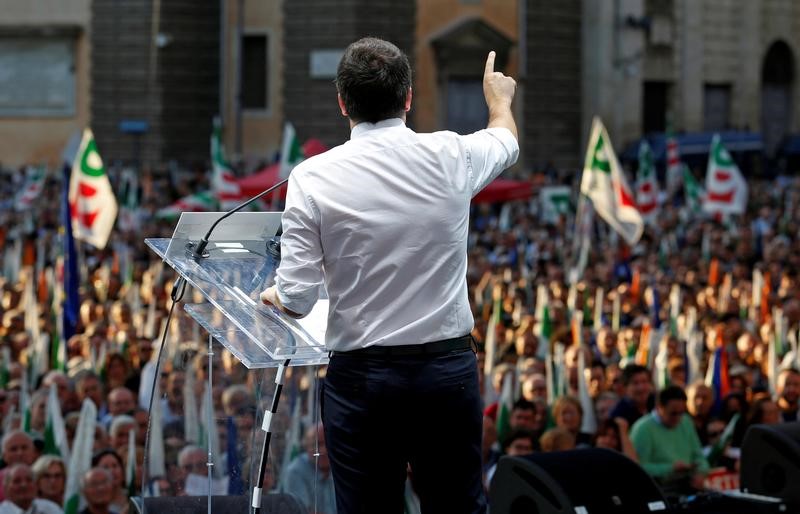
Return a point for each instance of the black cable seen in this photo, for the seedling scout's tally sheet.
(178, 289)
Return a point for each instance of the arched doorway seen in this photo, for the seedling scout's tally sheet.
(777, 75)
(460, 49)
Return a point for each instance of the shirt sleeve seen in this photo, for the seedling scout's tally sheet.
(489, 152)
(299, 276)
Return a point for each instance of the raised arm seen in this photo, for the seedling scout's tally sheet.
(498, 90)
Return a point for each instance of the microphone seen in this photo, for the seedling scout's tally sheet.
(199, 249)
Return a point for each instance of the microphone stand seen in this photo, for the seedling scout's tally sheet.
(199, 249)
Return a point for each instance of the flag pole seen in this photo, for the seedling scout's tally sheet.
(580, 239)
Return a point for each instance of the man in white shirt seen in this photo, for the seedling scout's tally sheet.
(21, 493)
(381, 223)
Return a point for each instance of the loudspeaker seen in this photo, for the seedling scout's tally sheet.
(585, 481)
(771, 461)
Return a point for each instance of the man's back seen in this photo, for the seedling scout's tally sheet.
(390, 208)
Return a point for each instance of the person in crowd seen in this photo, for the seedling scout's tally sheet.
(235, 398)
(732, 404)
(613, 435)
(192, 460)
(516, 443)
(309, 475)
(676, 371)
(788, 394)
(39, 410)
(603, 405)
(667, 444)
(525, 415)
(606, 347)
(121, 400)
(638, 399)
(614, 382)
(557, 440)
(17, 448)
(763, 411)
(568, 414)
(110, 461)
(534, 387)
(118, 431)
(596, 379)
(62, 383)
(97, 487)
(700, 400)
(50, 475)
(88, 385)
(172, 404)
(20, 491)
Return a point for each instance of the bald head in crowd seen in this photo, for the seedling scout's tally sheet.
(97, 488)
(121, 401)
(18, 448)
(19, 487)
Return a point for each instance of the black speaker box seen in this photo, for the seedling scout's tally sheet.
(770, 462)
(585, 481)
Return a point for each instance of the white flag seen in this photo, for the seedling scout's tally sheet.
(291, 151)
(647, 184)
(92, 204)
(726, 189)
(674, 166)
(604, 184)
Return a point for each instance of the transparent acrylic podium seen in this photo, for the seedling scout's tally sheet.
(234, 270)
(220, 393)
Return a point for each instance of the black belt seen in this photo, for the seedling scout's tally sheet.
(413, 350)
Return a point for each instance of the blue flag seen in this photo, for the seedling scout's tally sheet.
(655, 308)
(71, 306)
(235, 484)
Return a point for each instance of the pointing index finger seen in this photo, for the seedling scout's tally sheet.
(489, 63)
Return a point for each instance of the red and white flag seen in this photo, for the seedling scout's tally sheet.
(34, 184)
(605, 185)
(647, 184)
(726, 188)
(92, 204)
(674, 166)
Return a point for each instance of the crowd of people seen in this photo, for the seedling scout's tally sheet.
(686, 340)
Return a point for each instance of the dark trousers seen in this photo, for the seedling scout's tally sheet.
(381, 414)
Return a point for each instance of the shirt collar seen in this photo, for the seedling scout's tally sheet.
(364, 127)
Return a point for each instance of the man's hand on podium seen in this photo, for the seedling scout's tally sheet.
(269, 296)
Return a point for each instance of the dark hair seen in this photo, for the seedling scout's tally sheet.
(523, 404)
(107, 451)
(373, 79)
(671, 393)
(631, 370)
(518, 434)
(606, 425)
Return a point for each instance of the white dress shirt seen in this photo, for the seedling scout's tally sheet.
(382, 221)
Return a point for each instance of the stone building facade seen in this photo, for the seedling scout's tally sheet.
(44, 78)
(641, 65)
